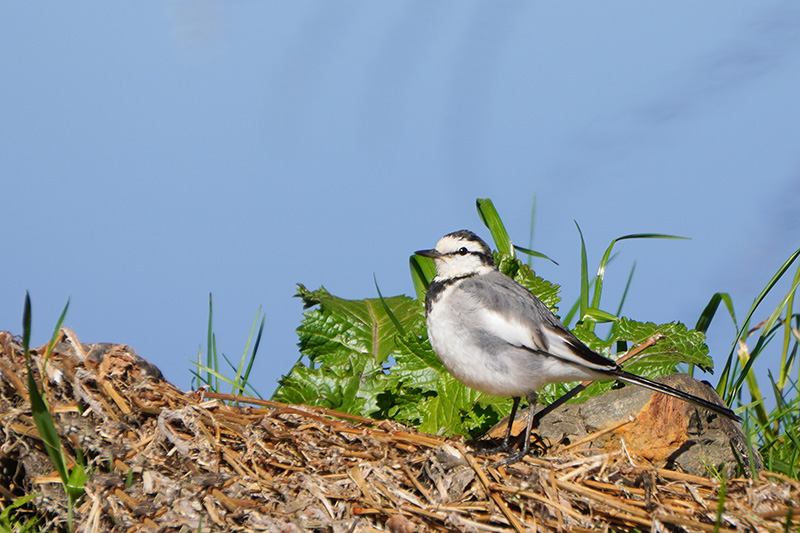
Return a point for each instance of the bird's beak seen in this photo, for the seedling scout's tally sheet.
(433, 254)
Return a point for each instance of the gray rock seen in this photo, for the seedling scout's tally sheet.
(665, 431)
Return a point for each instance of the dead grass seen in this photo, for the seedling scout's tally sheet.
(168, 460)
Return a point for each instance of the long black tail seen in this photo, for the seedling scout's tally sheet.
(685, 396)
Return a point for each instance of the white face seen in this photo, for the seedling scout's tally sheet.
(461, 256)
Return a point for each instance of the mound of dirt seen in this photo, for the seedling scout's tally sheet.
(161, 459)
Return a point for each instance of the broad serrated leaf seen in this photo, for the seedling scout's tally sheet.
(347, 343)
(351, 326)
(340, 384)
(372, 357)
(429, 397)
(677, 345)
(415, 362)
(544, 290)
(450, 409)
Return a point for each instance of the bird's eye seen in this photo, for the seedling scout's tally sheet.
(463, 251)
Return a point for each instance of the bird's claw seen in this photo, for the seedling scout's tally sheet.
(502, 448)
(512, 458)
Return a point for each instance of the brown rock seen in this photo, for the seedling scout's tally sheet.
(665, 431)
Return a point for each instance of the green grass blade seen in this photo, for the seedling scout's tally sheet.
(723, 486)
(583, 299)
(788, 525)
(567, 320)
(26, 325)
(76, 481)
(422, 273)
(198, 380)
(532, 253)
(491, 220)
(16, 504)
(767, 333)
(704, 321)
(710, 310)
(724, 388)
(246, 376)
(627, 288)
(52, 344)
(786, 359)
(775, 315)
(210, 363)
(41, 415)
(530, 238)
(758, 409)
(388, 310)
(218, 376)
(241, 374)
(599, 316)
(215, 386)
(601, 269)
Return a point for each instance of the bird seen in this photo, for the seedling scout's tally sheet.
(494, 336)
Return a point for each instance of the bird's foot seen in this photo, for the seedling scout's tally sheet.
(535, 447)
(512, 458)
(490, 450)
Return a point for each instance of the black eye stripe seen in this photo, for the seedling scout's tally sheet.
(465, 251)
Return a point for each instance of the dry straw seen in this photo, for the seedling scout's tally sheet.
(168, 460)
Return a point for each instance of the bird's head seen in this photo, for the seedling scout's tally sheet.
(458, 254)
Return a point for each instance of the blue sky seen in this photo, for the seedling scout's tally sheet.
(151, 153)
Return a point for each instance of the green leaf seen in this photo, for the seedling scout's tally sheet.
(601, 270)
(76, 482)
(492, 220)
(599, 316)
(583, 298)
(521, 273)
(426, 395)
(52, 344)
(678, 345)
(422, 273)
(398, 326)
(41, 415)
(349, 326)
(347, 343)
(725, 388)
(627, 288)
(767, 332)
(451, 411)
(5, 515)
(533, 253)
(530, 237)
(704, 321)
(210, 362)
(347, 347)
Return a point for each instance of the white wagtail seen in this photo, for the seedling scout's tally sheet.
(496, 337)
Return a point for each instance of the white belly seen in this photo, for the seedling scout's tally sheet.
(489, 364)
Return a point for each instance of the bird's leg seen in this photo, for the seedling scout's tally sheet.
(507, 438)
(526, 445)
(503, 447)
(561, 400)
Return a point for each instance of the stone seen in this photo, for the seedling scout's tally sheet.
(665, 432)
